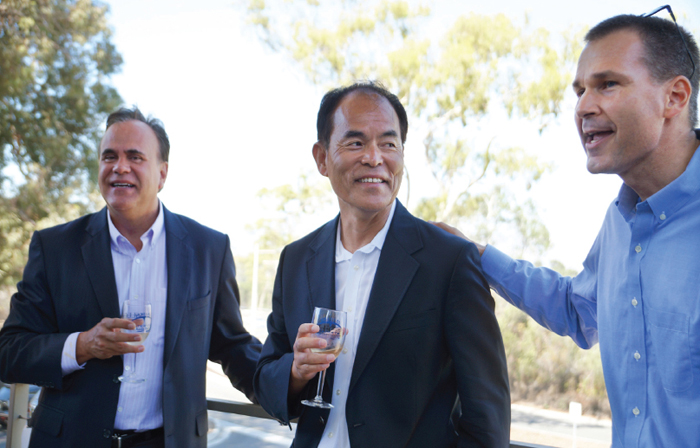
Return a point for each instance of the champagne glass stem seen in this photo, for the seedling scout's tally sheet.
(319, 387)
(133, 364)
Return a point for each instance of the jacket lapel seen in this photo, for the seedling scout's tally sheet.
(179, 258)
(395, 272)
(97, 256)
(320, 268)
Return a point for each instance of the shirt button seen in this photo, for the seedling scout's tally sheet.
(634, 302)
(637, 356)
(330, 434)
(337, 392)
(119, 409)
(356, 267)
(139, 261)
(345, 351)
(635, 411)
(638, 249)
(662, 216)
(349, 309)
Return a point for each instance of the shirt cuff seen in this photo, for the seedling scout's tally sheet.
(69, 363)
(494, 263)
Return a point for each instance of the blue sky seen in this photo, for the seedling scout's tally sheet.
(241, 118)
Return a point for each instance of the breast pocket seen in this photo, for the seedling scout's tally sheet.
(670, 342)
(199, 302)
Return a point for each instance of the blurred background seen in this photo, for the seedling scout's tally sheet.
(492, 147)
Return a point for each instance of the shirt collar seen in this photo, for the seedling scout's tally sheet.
(149, 237)
(669, 199)
(342, 254)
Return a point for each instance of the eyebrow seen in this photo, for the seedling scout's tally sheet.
(352, 134)
(601, 75)
(128, 152)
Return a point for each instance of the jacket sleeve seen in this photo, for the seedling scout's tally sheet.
(475, 342)
(30, 343)
(231, 344)
(275, 365)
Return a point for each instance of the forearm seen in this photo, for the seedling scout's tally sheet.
(564, 305)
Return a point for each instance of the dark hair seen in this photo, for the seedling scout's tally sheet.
(331, 100)
(125, 114)
(665, 55)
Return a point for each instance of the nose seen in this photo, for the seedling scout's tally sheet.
(372, 155)
(121, 166)
(586, 105)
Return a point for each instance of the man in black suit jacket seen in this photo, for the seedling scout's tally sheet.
(67, 308)
(421, 326)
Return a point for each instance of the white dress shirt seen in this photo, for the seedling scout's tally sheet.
(141, 275)
(354, 275)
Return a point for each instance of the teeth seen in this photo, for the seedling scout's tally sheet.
(122, 185)
(371, 180)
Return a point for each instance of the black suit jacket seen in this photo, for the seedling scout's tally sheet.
(69, 286)
(429, 336)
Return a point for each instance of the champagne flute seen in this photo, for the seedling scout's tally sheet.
(332, 328)
(140, 314)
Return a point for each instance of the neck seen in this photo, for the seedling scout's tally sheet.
(664, 166)
(132, 228)
(357, 229)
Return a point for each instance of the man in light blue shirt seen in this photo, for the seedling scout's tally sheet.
(638, 294)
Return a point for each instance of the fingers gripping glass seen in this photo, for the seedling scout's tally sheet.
(332, 326)
(140, 314)
(668, 7)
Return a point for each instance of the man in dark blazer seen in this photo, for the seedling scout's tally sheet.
(67, 309)
(421, 324)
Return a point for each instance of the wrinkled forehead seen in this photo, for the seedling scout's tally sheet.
(364, 108)
(621, 51)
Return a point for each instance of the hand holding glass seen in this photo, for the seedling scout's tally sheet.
(140, 314)
(332, 328)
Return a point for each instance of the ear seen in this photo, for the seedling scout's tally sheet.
(678, 96)
(163, 175)
(319, 152)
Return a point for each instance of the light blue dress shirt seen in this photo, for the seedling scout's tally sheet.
(139, 275)
(639, 294)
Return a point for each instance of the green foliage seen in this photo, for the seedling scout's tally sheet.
(548, 369)
(55, 60)
(451, 87)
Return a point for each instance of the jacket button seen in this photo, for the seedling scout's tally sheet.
(107, 434)
(115, 379)
(320, 419)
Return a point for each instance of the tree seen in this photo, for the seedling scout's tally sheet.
(452, 87)
(56, 57)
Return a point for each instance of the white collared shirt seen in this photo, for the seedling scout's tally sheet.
(139, 275)
(354, 276)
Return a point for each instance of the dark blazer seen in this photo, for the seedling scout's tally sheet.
(429, 336)
(69, 286)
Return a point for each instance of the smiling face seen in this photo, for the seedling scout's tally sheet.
(131, 171)
(364, 158)
(619, 113)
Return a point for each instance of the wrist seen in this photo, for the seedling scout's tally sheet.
(81, 353)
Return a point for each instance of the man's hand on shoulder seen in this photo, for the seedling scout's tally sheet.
(105, 340)
(454, 231)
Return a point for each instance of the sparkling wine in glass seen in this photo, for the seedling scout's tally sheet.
(140, 314)
(332, 328)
